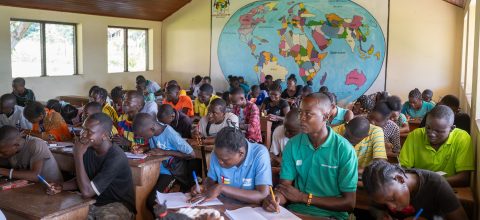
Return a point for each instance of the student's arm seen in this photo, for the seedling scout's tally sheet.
(461, 179)
(83, 182)
(464, 161)
(348, 116)
(457, 214)
(248, 196)
(30, 175)
(404, 129)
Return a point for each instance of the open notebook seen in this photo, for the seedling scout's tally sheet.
(180, 200)
(259, 214)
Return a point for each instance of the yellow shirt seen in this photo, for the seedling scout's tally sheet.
(202, 109)
(110, 111)
(371, 147)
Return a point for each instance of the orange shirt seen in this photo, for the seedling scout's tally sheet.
(183, 102)
(53, 125)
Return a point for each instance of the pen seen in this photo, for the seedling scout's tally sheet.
(196, 182)
(273, 196)
(43, 181)
(418, 214)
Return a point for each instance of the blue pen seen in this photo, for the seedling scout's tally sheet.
(418, 214)
(43, 181)
(196, 181)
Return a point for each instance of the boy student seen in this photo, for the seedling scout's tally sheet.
(195, 85)
(12, 114)
(256, 95)
(248, 114)
(22, 158)
(149, 97)
(461, 121)
(427, 95)
(24, 96)
(415, 107)
(117, 99)
(338, 115)
(100, 95)
(102, 171)
(179, 102)
(266, 83)
(47, 124)
(401, 194)
(367, 140)
(283, 133)
(151, 86)
(93, 108)
(182, 92)
(178, 120)
(164, 141)
(317, 153)
(203, 100)
(238, 169)
(440, 147)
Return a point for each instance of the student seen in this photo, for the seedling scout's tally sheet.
(102, 172)
(256, 95)
(380, 116)
(46, 124)
(181, 103)
(195, 85)
(151, 86)
(117, 99)
(399, 118)
(25, 158)
(70, 114)
(238, 169)
(274, 107)
(415, 107)
(182, 92)
(206, 80)
(399, 193)
(265, 85)
(203, 100)
(12, 114)
(100, 95)
(440, 147)
(235, 83)
(214, 121)
(427, 95)
(176, 119)
(248, 115)
(148, 96)
(243, 84)
(367, 139)
(323, 89)
(164, 141)
(461, 121)
(317, 153)
(293, 91)
(363, 106)
(338, 115)
(54, 104)
(283, 133)
(24, 96)
(306, 90)
(93, 108)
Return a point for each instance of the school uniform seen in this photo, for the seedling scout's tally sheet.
(456, 154)
(152, 86)
(420, 113)
(150, 108)
(254, 171)
(16, 119)
(202, 109)
(325, 172)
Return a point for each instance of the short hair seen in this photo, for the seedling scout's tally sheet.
(93, 89)
(165, 110)
(19, 81)
(142, 121)
(172, 82)
(136, 95)
(415, 94)
(197, 79)
(450, 100)
(331, 96)
(33, 110)
(323, 89)
(54, 104)
(269, 77)
(140, 79)
(207, 78)
(117, 92)
(69, 112)
(307, 89)
(104, 120)
(9, 97)
(207, 88)
(321, 98)
(292, 77)
(442, 112)
(254, 87)
(101, 92)
(358, 126)
(230, 138)
(395, 103)
(173, 88)
(427, 92)
(379, 174)
(275, 87)
(219, 102)
(292, 114)
(237, 91)
(94, 105)
(7, 131)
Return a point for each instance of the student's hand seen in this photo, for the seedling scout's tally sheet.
(271, 117)
(209, 194)
(158, 152)
(196, 134)
(80, 146)
(121, 141)
(194, 192)
(271, 206)
(210, 216)
(291, 193)
(55, 188)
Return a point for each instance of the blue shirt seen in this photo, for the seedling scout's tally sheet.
(169, 139)
(263, 94)
(254, 171)
(420, 113)
(340, 117)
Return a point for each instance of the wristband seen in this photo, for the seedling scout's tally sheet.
(10, 175)
(309, 201)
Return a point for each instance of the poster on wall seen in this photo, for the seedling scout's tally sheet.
(340, 44)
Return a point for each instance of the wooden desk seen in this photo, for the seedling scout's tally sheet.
(75, 100)
(144, 173)
(203, 153)
(266, 128)
(32, 202)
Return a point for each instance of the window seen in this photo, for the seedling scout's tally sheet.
(41, 48)
(127, 49)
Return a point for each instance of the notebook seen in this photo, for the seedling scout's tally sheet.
(180, 200)
(259, 214)
(135, 156)
(60, 144)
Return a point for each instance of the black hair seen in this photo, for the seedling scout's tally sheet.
(219, 102)
(237, 91)
(19, 81)
(173, 88)
(292, 114)
(415, 94)
(379, 174)
(207, 78)
(93, 105)
(395, 102)
(366, 103)
(207, 88)
(331, 96)
(292, 77)
(230, 138)
(172, 82)
(307, 89)
(7, 131)
(197, 79)
(104, 120)
(310, 83)
(164, 110)
(427, 92)
(320, 98)
(275, 87)
(9, 97)
(101, 92)
(323, 89)
(442, 112)
(385, 108)
(234, 79)
(33, 110)
(55, 105)
(226, 97)
(450, 100)
(269, 77)
(68, 113)
(381, 96)
(93, 89)
(142, 121)
(358, 127)
(117, 92)
(140, 79)
(254, 87)
(136, 95)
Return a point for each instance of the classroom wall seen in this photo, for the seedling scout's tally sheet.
(425, 45)
(92, 45)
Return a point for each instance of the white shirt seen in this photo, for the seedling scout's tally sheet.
(151, 108)
(215, 128)
(16, 119)
(278, 140)
(153, 86)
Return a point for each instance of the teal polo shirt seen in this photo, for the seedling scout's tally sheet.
(325, 172)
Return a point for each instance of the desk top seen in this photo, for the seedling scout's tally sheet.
(33, 202)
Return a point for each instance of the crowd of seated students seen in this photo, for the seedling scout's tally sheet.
(321, 148)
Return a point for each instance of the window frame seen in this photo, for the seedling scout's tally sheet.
(43, 52)
(125, 52)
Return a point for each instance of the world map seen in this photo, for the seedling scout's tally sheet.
(333, 43)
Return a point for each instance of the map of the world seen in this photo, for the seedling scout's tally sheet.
(333, 43)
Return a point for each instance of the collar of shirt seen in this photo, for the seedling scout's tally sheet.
(305, 140)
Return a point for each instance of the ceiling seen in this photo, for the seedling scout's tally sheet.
(156, 10)
(459, 3)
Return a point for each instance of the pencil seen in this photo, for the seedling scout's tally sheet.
(273, 196)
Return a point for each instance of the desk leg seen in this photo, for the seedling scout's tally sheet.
(204, 162)
(150, 174)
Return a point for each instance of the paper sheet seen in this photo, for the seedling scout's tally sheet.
(259, 213)
(135, 156)
(179, 200)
